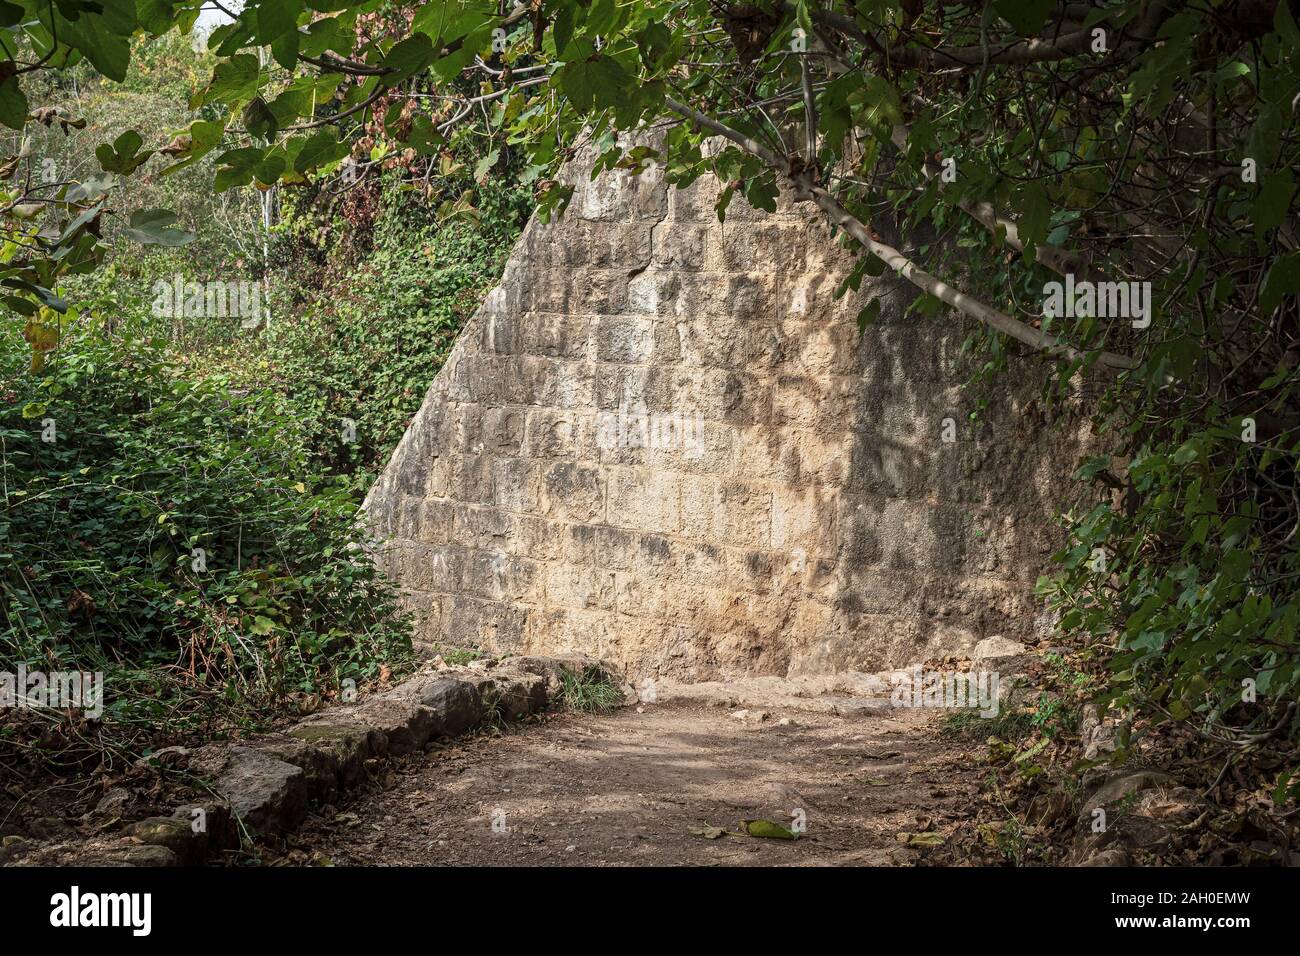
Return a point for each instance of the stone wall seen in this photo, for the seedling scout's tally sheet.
(662, 441)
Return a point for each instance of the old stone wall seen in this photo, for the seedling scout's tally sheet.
(662, 441)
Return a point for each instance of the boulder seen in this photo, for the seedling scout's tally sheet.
(406, 725)
(1144, 809)
(176, 834)
(320, 765)
(517, 693)
(268, 794)
(456, 705)
(343, 739)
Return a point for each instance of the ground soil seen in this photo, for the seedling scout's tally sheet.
(628, 788)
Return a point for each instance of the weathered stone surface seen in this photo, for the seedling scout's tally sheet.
(344, 741)
(514, 694)
(455, 704)
(1115, 856)
(129, 855)
(552, 669)
(996, 648)
(1120, 788)
(268, 794)
(1143, 810)
(663, 442)
(177, 833)
(406, 726)
(320, 765)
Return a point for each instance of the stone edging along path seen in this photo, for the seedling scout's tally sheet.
(261, 789)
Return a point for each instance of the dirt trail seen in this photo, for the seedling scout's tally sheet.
(629, 787)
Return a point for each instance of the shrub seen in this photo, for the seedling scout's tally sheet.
(175, 525)
(362, 344)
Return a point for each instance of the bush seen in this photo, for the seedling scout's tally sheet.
(363, 343)
(174, 529)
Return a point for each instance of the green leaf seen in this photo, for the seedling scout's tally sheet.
(1035, 215)
(769, 829)
(868, 314)
(1283, 279)
(275, 18)
(484, 165)
(597, 82)
(123, 155)
(320, 149)
(408, 58)
(258, 119)
(155, 227)
(103, 37)
(1025, 16)
(1274, 200)
(234, 80)
(13, 103)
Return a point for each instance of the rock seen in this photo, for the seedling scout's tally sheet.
(320, 765)
(516, 694)
(995, 648)
(49, 828)
(1143, 810)
(406, 725)
(1115, 856)
(1120, 786)
(176, 834)
(347, 742)
(115, 802)
(456, 705)
(268, 794)
(1046, 808)
(1096, 735)
(550, 669)
(126, 852)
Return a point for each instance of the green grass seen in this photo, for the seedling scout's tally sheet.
(589, 692)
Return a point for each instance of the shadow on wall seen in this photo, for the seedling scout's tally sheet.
(664, 442)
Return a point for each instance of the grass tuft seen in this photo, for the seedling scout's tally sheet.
(589, 691)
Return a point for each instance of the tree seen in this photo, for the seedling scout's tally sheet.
(1108, 184)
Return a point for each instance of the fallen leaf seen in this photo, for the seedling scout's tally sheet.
(920, 839)
(769, 830)
(709, 833)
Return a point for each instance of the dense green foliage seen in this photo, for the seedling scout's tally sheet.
(1030, 141)
(191, 527)
(359, 334)
(151, 518)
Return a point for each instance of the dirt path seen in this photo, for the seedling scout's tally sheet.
(629, 787)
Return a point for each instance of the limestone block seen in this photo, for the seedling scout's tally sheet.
(664, 439)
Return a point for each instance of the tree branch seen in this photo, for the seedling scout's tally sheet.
(807, 189)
